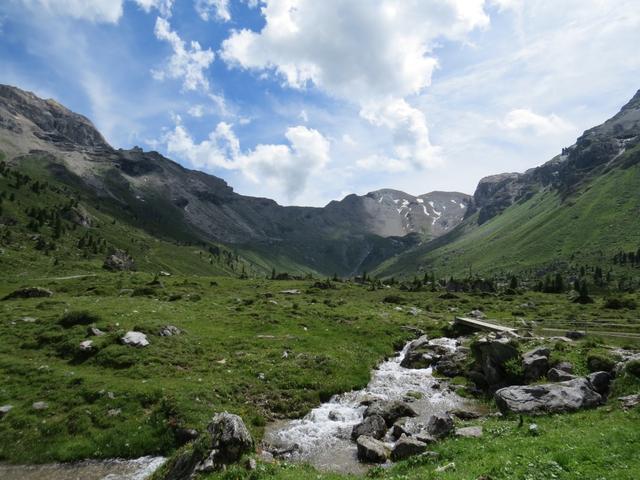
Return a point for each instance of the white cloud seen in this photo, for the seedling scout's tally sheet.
(196, 111)
(408, 125)
(353, 51)
(286, 167)
(213, 9)
(381, 163)
(100, 11)
(187, 63)
(525, 119)
(163, 6)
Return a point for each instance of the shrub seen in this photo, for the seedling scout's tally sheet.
(396, 299)
(71, 319)
(618, 303)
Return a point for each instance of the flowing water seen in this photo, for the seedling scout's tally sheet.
(138, 469)
(322, 438)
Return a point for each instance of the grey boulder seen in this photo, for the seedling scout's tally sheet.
(407, 447)
(372, 426)
(600, 382)
(135, 339)
(440, 425)
(390, 411)
(230, 439)
(560, 397)
(556, 375)
(371, 450)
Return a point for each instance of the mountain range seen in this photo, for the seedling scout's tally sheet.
(583, 201)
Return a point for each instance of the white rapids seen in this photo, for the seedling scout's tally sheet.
(322, 437)
(137, 469)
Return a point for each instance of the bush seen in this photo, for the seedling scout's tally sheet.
(618, 303)
(396, 299)
(633, 367)
(71, 319)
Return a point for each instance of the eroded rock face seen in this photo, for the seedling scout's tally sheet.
(371, 450)
(560, 397)
(119, 260)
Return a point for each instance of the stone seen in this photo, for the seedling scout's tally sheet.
(119, 260)
(407, 447)
(491, 356)
(29, 319)
(556, 375)
(230, 438)
(169, 331)
(464, 414)
(135, 339)
(629, 401)
(565, 367)
(40, 405)
(29, 292)
(469, 432)
(538, 352)
(336, 416)
(559, 397)
(390, 411)
(185, 435)
(4, 409)
(290, 292)
(372, 426)
(86, 346)
(478, 314)
(533, 429)
(574, 335)
(95, 332)
(114, 412)
(446, 468)
(371, 450)
(440, 425)
(418, 354)
(534, 366)
(251, 464)
(600, 382)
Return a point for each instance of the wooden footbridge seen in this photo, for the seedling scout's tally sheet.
(483, 325)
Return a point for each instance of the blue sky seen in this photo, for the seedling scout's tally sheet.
(306, 101)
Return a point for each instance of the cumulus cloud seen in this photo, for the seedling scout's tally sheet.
(213, 9)
(408, 126)
(286, 167)
(187, 63)
(525, 120)
(374, 56)
(163, 6)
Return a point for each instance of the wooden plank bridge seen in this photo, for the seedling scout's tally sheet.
(482, 325)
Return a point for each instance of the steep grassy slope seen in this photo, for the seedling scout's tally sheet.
(544, 231)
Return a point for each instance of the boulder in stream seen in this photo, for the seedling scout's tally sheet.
(390, 411)
(440, 425)
(371, 450)
(372, 426)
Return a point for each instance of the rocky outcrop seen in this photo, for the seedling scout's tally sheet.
(548, 398)
(371, 450)
(119, 260)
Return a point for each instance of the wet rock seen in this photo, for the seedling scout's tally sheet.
(407, 447)
(390, 411)
(119, 260)
(230, 439)
(372, 426)
(440, 425)
(135, 339)
(600, 382)
(4, 409)
(556, 375)
(371, 450)
(169, 331)
(40, 405)
(336, 416)
(86, 346)
(418, 354)
(464, 414)
(29, 292)
(469, 432)
(548, 398)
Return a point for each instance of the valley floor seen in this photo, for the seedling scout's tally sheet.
(121, 401)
